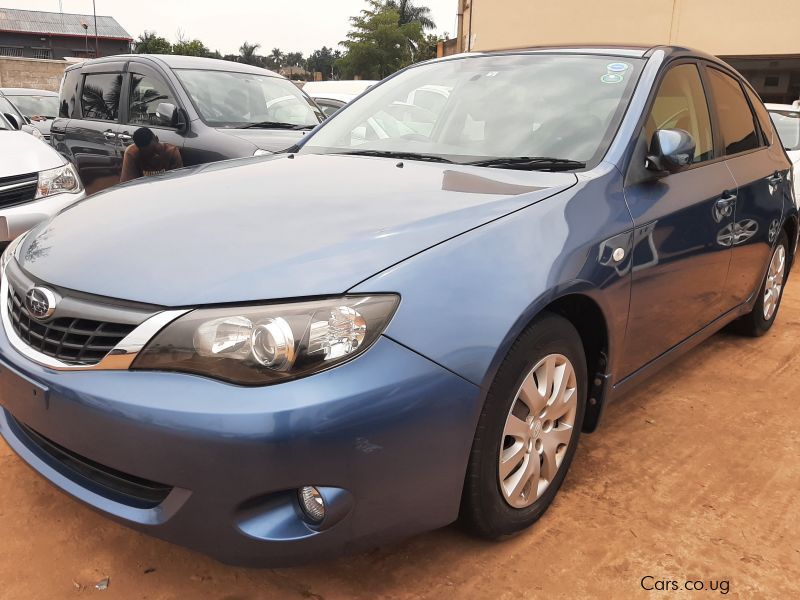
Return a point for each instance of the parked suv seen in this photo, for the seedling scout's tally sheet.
(210, 109)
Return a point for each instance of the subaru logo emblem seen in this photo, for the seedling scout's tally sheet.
(40, 302)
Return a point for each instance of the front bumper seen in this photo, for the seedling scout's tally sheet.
(16, 220)
(390, 428)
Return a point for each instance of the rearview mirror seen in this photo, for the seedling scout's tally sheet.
(670, 151)
(13, 120)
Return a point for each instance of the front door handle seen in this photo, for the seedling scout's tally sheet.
(124, 138)
(775, 178)
(109, 135)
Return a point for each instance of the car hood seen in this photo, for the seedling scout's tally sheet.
(272, 140)
(794, 156)
(22, 153)
(269, 227)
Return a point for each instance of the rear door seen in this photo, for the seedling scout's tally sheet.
(147, 89)
(679, 265)
(761, 170)
(91, 139)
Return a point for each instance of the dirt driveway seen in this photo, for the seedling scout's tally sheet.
(694, 477)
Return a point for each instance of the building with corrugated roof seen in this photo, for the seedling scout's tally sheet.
(53, 35)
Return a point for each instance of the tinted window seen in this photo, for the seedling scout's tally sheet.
(146, 94)
(37, 106)
(764, 121)
(681, 104)
(100, 96)
(733, 113)
(68, 93)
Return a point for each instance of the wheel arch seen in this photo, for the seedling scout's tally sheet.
(791, 229)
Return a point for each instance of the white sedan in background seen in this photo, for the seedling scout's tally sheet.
(786, 118)
(36, 182)
(330, 96)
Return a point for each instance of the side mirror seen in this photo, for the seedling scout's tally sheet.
(171, 114)
(670, 151)
(13, 120)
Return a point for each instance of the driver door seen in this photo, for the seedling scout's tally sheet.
(681, 253)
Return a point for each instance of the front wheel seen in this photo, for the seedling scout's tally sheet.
(761, 318)
(528, 430)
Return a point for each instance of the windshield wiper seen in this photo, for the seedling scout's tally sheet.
(398, 155)
(268, 125)
(530, 163)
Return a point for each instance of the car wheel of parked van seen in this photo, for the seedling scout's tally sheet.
(761, 318)
(528, 430)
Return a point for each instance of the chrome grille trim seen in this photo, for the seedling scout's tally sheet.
(119, 358)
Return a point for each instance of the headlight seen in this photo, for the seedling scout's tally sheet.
(36, 133)
(57, 181)
(267, 344)
(261, 152)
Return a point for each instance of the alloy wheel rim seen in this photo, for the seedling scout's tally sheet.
(538, 430)
(774, 283)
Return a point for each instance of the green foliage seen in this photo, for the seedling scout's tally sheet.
(378, 44)
(323, 61)
(150, 43)
(247, 54)
(412, 14)
(186, 47)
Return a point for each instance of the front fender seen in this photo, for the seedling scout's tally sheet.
(464, 302)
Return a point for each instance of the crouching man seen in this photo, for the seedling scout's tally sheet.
(148, 156)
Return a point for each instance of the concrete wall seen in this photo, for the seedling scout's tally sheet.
(722, 27)
(31, 72)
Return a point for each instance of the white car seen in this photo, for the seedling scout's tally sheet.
(36, 182)
(330, 96)
(786, 118)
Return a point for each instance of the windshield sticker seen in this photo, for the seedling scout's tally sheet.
(618, 67)
(611, 78)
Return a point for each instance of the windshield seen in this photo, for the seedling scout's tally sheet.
(37, 106)
(484, 108)
(236, 100)
(788, 125)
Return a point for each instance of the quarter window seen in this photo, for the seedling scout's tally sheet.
(681, 104)
(763, 117)
(735, 118)
(146, 94)
(100, 96)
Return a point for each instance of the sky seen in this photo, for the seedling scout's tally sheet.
(291, 25)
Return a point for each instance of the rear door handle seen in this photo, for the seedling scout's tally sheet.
(109, 135)
(775, 178)
(725, 204)
(124, 138)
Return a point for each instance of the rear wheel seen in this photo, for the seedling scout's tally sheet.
(528, 431)
(761, 318)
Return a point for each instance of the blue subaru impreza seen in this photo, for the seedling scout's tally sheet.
(406, 319)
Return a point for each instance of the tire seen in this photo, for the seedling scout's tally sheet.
(758, 321)
(491, 507)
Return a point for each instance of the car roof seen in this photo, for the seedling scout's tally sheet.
(782, 107)
(173, 61)
(27, 92)
(598, 49)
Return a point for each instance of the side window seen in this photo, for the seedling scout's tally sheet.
(146, 94)
(763, 117)
(736, 121)
(100, 96)
(68, 93)
(681, 104)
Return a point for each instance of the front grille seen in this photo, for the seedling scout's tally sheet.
(18, 189)
(70, 340)
(110, 483)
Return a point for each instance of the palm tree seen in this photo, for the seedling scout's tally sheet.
(412, 14)
(247, 53)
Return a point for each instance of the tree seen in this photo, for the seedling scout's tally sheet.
(293, 59)
(378, 44)
(412, 14)
(188, 47)
(247, 54)
(150, 43)
(323, 61)
(275, 60)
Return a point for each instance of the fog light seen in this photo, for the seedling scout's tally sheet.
(312, 503)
